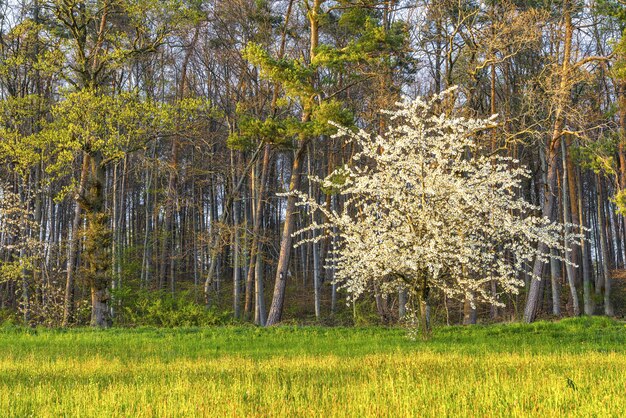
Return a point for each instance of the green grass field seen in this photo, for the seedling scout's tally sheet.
(572, 368)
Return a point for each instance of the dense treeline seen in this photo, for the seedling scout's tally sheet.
(146, 148)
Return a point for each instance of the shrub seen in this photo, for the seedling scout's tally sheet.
(162, 309)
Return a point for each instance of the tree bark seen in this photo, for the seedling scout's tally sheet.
(569, 268)
(608, 306)
(97, 243)
(562, 100)
(73, 244)
(278, 298)
(276, 308)
(584, 250)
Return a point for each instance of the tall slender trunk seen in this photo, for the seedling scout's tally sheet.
(556, 288)
(494, 147)
(333, 290)
(250, 271)
(584, 249)
(214, 247)
(608, 306)
(259, 312)
(278, 298)
(402, 300)
(276, 308)
(147, 246)
(236, 262)
(316, 256)
(257, 231)
(562, 100)
(73, 244)
(569, 268)
(25, 231)
(622, 152)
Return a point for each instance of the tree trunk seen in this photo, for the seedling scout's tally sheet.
(425, 325)
(608, 307)
(259, 312)
(276, 308)
(278, 298)
(97, 243)
(569, 268)
(584, 250)
(214, 248)
(316, 256)
(556, 290)
(469, 313)
(73, 244)
(402, 299)
(236, 262)
(562, 100)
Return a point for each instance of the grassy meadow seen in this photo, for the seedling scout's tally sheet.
(576, 367)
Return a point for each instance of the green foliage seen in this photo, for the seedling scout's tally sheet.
(372, 46)
(354, 19)
(619, 69)
(278, 132)
(9, 320)
(139, 27)
(330, 111)
(375, 46)
(616, 10)
(20, 119)
(91, 122)
(281, 132)
(162, 309)
(612, 8)
(364, 313)
(598, 155)
(620, 202)
(29, 49)
(292, 74)
(12, 271)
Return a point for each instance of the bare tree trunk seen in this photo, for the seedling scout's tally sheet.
(402, 300)
(556, 290)
(25, 230)
(608, 307)
(584, 247)
(469, 313)
(278, 298)
(424, 296)
(259, 313)
(236, 262)
(214, 249)
(147, 253)
(276, 308)
(316, 257)
(563, 98)
(333, 294)
(569, 269)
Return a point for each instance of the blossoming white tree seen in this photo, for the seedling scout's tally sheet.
(424, 208)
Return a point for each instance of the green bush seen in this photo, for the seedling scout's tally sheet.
(162, 309)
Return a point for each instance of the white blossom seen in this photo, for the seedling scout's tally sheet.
(425, 207)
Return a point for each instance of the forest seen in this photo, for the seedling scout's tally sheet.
(181, 162)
